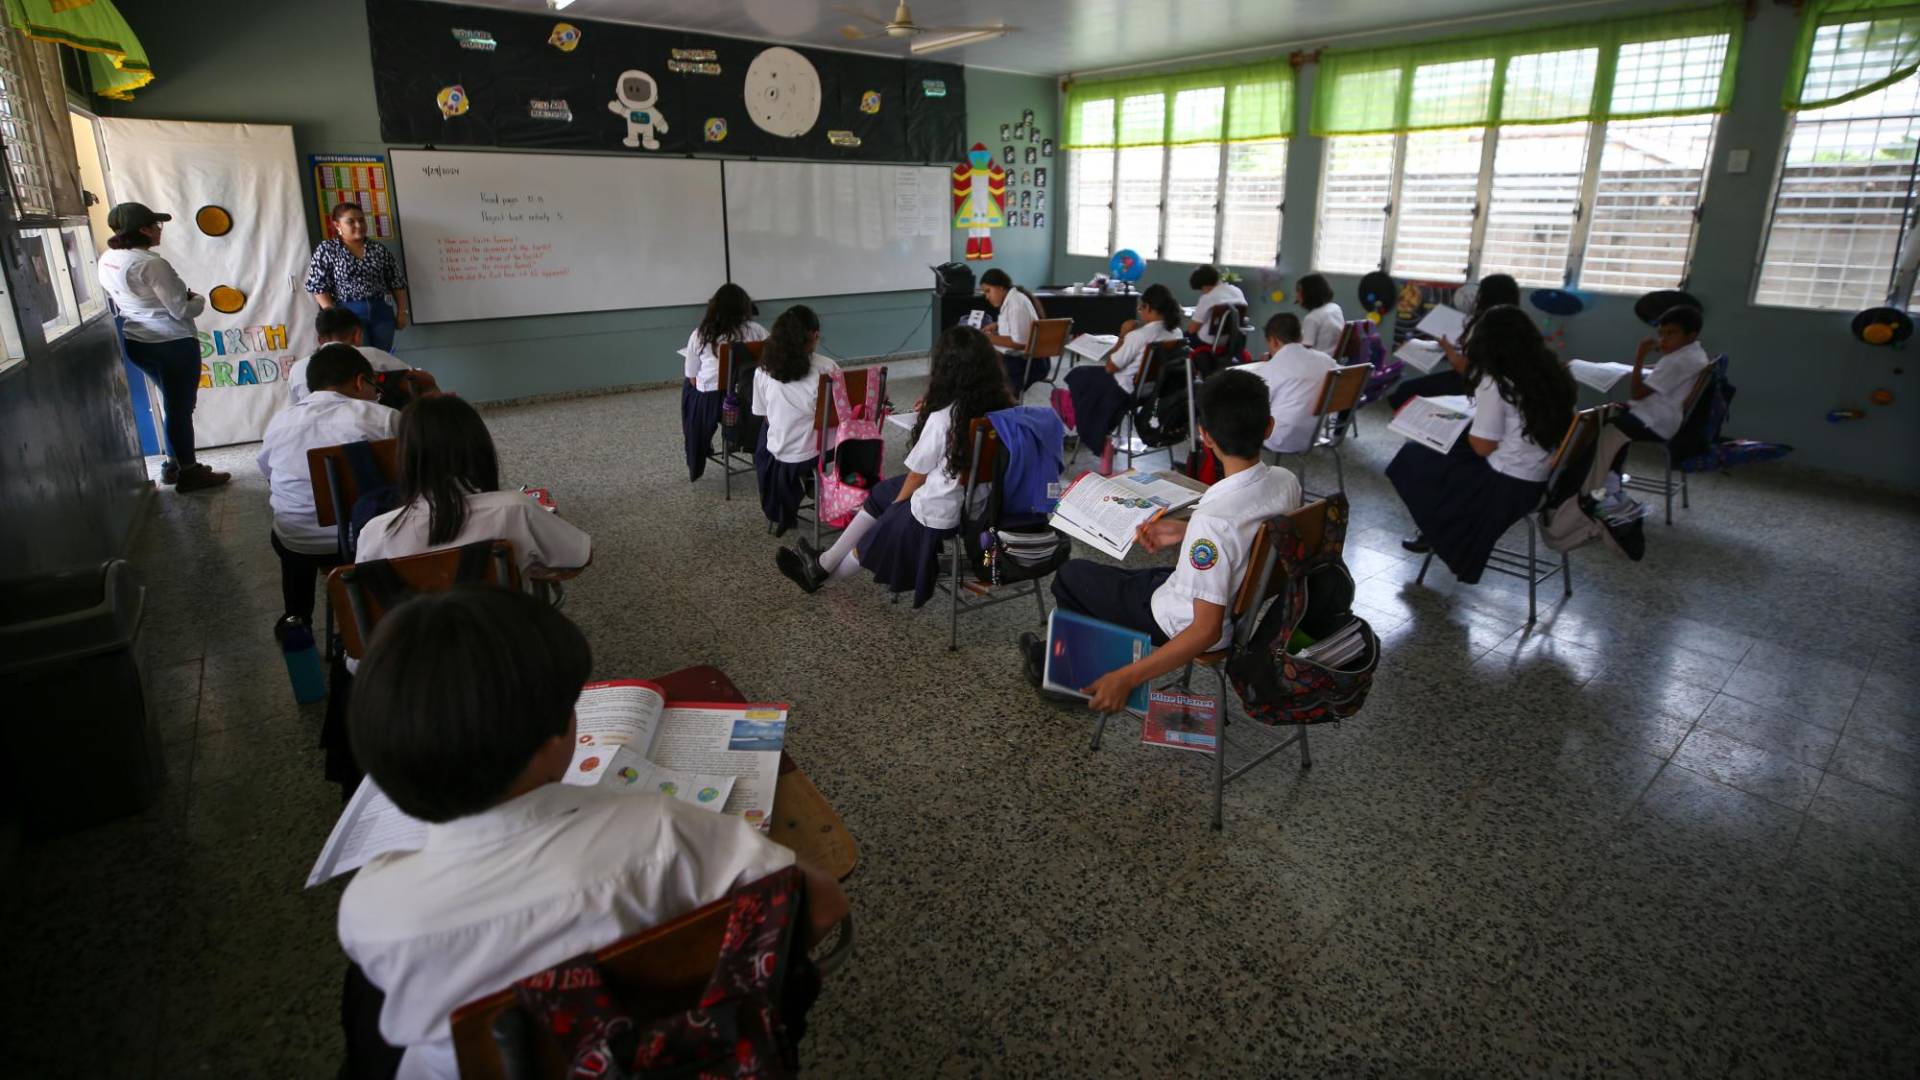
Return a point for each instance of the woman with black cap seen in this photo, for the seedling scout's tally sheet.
(159, 311)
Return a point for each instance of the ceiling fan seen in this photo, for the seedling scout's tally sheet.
(903, 26)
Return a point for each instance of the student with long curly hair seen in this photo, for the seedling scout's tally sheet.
(1496, 290)
(728, 320)
(785, 390)
(899, 532)
(1102, 393)
(1523, 402)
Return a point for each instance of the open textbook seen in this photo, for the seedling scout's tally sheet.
(1093, 347)
(1443, 322)
(1433, 422)
(1421, 354)
(1106, 512)
(1599, 374)
(719, 757)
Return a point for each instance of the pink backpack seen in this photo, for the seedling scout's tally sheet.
(857, 447)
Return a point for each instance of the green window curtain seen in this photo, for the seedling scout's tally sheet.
(1850, 48)
(1239, 104)
(114, 57)
(1676, 62)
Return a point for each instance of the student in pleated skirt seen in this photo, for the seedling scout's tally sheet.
(729, 320)
(786, 387)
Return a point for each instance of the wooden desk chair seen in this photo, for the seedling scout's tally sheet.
(826, 417)
(335, 489)
(1159, 355)
(1566, 469)
(1261, 586)
(965, 591)
(1664, 486)
(1339, 395)
(1046, 343)
(735, 457)
(656, 972)
(366, 603)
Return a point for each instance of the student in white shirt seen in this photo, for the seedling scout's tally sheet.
(340, 324)
(1102, 394)
(786, 388)
(1184, 607)
(1295, 376)
(1012, 330)
(898, 534)
(1523, 400)
(463, 713)
(1496, 290)
(159, 310)
(728, 320)
(1659, 392)
(1214, 295)
(341, 409)
(1323, 323)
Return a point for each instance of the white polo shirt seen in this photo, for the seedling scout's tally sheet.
(1295, 376)
(1223, 293)
(1494, 418)
(1126, 359)
(788, 408)
(147, 290)
(1670, 379)
(936, 503)
(1213, 557)
(540, 538)
(1016, 321)
(381, 359)
(325, 418)
(515, 889)
(1321, 328)
(703, 363)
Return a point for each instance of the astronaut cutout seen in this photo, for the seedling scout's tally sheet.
(636, 94)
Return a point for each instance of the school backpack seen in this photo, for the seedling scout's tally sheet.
(1161, 419)
(1362, 344)
(377, 494)
(1003, 548)
(1276, 683)
(747, 1023)
(856, 449)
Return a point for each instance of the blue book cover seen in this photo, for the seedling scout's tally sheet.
(1080, 650)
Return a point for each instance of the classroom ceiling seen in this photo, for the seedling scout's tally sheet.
(1059, 37)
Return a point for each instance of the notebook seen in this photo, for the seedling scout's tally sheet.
(1080, 650)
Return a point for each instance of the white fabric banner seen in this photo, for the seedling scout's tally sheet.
(248, 170)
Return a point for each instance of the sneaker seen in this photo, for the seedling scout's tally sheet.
(288, 622)
(200, 478)
(170, 472)
(804, 572)
(1416, 544)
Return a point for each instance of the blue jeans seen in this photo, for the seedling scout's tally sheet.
(175, 365)
(376, 315)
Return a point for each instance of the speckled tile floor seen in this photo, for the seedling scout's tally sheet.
(1673, 828)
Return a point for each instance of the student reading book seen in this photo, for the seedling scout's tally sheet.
(728, 319)
(1183, 608)
(464, 715)
(340, 324)
(1295, 375)
(1107, 513)
(1102, 394)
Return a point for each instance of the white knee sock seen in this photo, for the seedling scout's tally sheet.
(856, 529)
(848, 567)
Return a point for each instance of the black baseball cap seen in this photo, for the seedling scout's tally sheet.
(129, 217)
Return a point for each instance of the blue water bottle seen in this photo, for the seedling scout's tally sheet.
(304, 670)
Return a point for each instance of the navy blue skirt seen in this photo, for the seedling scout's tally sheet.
(1098, 405)
(783, 484)
(1023, 372)
(699, 419)
(900, 552)
(1461, 504)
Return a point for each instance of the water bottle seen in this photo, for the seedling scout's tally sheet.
(304, 670)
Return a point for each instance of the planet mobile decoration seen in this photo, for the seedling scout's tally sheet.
(1561, 302)
(1377, 293)
(1126, 266)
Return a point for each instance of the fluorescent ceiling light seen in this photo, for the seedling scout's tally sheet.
(559, 5)
(920, 46)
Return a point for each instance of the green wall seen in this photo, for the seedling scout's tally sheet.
(1790, 365)
(308, 65)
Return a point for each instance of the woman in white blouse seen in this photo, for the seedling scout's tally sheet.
(1323, 322)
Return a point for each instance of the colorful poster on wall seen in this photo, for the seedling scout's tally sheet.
(248, 260)
(360, 179)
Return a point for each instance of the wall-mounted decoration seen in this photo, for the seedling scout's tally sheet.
(226, 299)
(979, 200)
(213, 220)
(634, 99)
(715, 129)
(1033, 156)
(1046, 148)
(1008, 156)
(1040, 177)
(475, 40)
(1006, 133)
(900, 110)
(1039, 220)
(360, 179)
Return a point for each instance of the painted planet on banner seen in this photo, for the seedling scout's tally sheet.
(226, 299)
(783, 93)
(213, 220)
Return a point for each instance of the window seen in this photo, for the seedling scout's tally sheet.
(46, 260)
(1356, 184)
(1188, 167)
(1652, 176)
(1838, 213)
(1534, 202)
(1439, 194)
(26, 157)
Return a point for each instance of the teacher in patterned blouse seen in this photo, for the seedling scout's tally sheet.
(358, 274)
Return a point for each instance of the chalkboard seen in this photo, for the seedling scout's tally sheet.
(798, 228)
(494, 235)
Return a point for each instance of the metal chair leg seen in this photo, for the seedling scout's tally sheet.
(1533, 575)
(1306, 759)
(1684, 505)
(1040, 601)
(1339, 473)
(1220, 749)
(1667, 452)
(1099, 727)
(1566, 575)
(953, 592)
(1421, 577)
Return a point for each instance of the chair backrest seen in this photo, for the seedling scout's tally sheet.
(725, 359)
(1155, 362)
(1262, 584)
(362, 608)
(980, 471)
(1048, 338)
(1575, 452)
(1342, 388)
(335, 489)
(825, 416)
(1700, 384)
(1224, 316)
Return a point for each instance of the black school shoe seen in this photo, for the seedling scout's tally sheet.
(1416, 544)
(803, 570)
(1033, 661)
(170, 473)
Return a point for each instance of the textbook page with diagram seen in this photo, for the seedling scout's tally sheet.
(1093, 347)
(1434, 422)
(1421, 354)
(723, 757)
(1106, 512)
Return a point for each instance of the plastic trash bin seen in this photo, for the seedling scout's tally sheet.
(78, 746)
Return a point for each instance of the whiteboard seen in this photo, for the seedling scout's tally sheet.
(492, 235)
(799, 228)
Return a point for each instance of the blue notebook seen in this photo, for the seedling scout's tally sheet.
(1080, 650)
